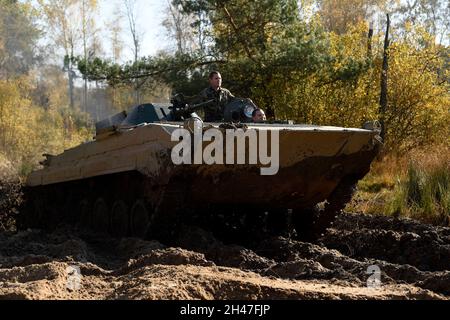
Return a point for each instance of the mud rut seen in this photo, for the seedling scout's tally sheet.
(407, 253)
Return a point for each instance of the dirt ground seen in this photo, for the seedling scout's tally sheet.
(413, 261)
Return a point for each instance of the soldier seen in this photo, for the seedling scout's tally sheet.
(258, 115)
(214, 111)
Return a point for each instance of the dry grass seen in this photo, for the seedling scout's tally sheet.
(416, 185)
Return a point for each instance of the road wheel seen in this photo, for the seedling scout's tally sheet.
(140, 219)
(69, 210)
(39, 212)
(119, 219)
(84, 213)
(100, 216)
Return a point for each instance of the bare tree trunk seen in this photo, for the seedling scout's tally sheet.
(384, 81)
(70, 76)
(177, 26)
(369, 41)
(131, 14)
(97, 113)
(200, 32)
(136, 82)
(2, 128)
(369, 55)
(85, 54)
(116, 47)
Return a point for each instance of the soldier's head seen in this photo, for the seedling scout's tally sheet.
(215, 80)
(258, 115)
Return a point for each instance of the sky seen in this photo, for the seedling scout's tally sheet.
(150, 15)
(149, 21)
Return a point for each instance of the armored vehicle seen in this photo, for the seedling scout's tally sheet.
(125, 181)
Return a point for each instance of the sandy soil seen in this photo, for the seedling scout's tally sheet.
(413, 259)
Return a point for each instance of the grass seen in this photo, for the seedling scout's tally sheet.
(424, 194)
(416, 185)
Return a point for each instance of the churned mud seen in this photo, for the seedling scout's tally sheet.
(410, 260)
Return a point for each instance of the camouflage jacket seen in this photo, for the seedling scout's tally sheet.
(214, 111)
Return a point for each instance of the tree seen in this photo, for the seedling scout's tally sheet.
(28, 130)
(71, 25)
(338, 15)
(115, 28)
(384, 81)
(254, 43)
(18, 54)
(417, 113)
(19, 35)
(430, 14)
(259, 40)
(63, 22)
(180, 27)
(132, 16)
(295, 69)
(88, 8)
(116, 44)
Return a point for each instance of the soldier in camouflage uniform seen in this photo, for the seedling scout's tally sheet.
(214, 111)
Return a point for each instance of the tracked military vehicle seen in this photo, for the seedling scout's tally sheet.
(124, 182)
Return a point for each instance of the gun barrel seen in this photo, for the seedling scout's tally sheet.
(198, 105)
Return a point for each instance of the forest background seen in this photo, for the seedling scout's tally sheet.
(326, 62)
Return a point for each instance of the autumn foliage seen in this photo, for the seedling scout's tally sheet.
(314, 62)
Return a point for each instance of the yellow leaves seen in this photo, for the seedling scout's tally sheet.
(26, 130)
(418, 99)
(15, 115)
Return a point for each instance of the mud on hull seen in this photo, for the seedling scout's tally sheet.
(133, 204)
(128, 185)
(296, 187)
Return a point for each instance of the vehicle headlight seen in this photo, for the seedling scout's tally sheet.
(248, 110)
